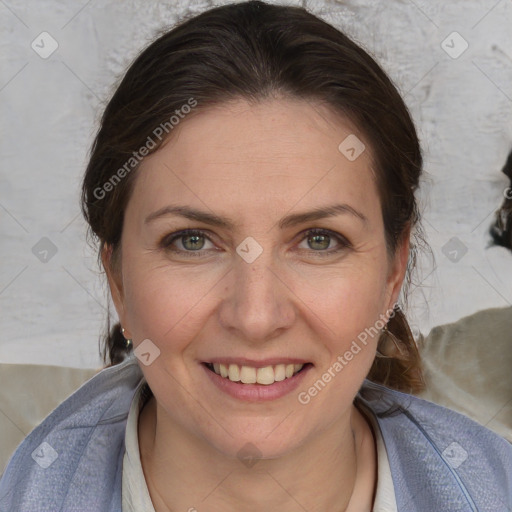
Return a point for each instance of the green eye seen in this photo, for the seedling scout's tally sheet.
(196, 241)
(192, 241)
(321, 239)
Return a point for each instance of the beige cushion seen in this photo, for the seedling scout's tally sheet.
(28, 393)
(468, 367)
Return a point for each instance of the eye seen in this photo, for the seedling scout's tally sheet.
(192, 241)
(320, 239)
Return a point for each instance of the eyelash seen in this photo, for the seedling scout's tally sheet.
(169, 239)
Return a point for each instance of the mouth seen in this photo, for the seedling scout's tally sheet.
(264, 376)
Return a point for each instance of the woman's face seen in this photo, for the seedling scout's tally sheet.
(256, 290)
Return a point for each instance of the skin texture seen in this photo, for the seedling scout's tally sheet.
(256, 164)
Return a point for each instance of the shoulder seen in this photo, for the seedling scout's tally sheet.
(438, 425)
(28, 394)
(80, 444)
(440, 456)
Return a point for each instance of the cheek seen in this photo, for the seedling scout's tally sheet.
(154, 302)
(354, 308)
(353, 312)
(353, 303)
(165, 304)
(354, 347)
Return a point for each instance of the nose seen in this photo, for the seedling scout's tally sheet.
(259, 306)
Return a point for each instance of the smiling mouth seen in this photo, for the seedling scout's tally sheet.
(250, 375)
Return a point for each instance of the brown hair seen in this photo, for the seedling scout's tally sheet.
(253, 50)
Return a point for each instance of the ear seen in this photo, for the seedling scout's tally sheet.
(398, 268)
(115, 284)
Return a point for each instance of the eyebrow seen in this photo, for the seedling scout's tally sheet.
(286, 222)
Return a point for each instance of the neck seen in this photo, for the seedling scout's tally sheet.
(335, 470)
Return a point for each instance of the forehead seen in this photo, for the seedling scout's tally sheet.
(272, 154)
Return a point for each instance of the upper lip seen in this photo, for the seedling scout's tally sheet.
(261, 363)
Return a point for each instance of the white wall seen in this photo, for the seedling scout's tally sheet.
(52, 313)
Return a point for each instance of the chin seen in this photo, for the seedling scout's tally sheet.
(262, 441)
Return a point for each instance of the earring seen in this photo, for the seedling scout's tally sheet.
(128, 341)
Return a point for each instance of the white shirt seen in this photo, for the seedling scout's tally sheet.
(135, 491)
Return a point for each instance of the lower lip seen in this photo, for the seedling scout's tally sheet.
(257, 392)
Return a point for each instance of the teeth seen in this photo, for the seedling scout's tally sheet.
(249, 375)
(265, 375)
(234, 373)
(279, 372)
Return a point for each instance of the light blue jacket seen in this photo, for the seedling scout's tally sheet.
(441, 461)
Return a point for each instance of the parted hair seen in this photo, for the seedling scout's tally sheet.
(253, 50)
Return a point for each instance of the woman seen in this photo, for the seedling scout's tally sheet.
(252, 189)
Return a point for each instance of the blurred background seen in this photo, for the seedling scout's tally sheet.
(59, 62)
